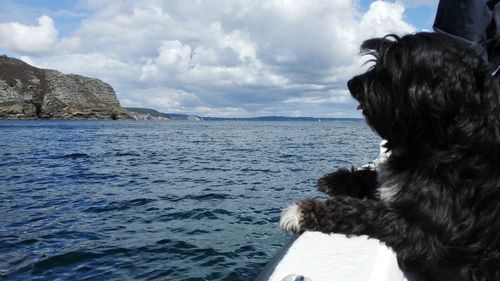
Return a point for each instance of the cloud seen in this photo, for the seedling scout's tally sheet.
(383, 18)
(29, 39)
(224, 57)
(413, 3)
(169, 100)
(173, 58)
(113, 70)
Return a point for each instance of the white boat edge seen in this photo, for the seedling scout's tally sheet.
(333, 257)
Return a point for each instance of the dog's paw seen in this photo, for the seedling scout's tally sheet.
(324, 186)
(358, 183)
(335, 183)
(292, 219)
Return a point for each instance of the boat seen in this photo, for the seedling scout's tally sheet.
(316, 256)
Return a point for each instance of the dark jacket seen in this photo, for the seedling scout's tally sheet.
(476, 22)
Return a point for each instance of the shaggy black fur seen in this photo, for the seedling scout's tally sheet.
(439, 202)
(360, 183)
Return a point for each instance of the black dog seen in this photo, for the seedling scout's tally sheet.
(436, 200)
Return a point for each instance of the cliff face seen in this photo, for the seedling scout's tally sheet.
(27, 92)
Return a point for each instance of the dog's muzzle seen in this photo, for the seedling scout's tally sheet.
(355, 86)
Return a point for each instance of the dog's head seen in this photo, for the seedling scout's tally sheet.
(427, 89)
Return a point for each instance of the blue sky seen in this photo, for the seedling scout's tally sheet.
(211, 58)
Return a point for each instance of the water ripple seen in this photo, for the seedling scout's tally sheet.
(120, 206)
(158, 200)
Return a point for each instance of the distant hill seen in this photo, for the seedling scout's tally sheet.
(186, 117)
(276, 118)
(146, 113)
(28, 92)
(151, 112)
(154, 115)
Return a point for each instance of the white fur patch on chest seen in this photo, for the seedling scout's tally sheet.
(390, 184)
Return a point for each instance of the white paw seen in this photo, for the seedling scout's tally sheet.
(291, 219)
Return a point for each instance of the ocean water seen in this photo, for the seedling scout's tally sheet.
(131, 200)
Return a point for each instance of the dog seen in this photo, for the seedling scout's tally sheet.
(436, 199)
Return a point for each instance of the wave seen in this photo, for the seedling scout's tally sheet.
(76, 155)
(196, 214)
(209, 196)
(121, 205)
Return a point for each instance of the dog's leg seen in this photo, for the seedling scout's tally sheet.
(341, 214)
(358, 183)
(353, 216)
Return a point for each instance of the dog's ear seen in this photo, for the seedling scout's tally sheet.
(374, 88)
(451, 93)
(479, 118)
(377, 47)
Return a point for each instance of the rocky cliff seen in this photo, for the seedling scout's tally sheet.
(27, 92)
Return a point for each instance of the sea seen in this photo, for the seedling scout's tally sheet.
(159, 200)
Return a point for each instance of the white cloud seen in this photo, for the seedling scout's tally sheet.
(110, 69)
(162, 98)
(70, 45)
(329, 97)
(216, 57)
(29, 39)
(220, 111)
(173, 58)
(383, 18)
(413, 3)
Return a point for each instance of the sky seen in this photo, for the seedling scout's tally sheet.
(224, 58)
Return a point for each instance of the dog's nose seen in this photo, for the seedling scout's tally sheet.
(351, 85)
